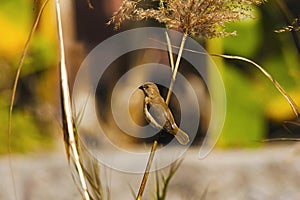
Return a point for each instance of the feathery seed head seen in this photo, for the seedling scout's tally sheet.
(197, 18)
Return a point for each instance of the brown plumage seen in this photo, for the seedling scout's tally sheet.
(158, 114)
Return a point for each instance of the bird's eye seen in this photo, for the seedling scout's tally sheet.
(146, 86)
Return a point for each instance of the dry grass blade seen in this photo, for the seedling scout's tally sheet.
(295, 26)
(269, 76)
(162, 188)
(91, 170)
(132, 191)
(14, 90)
(184, 37)
(70, 136)
(204, 194)
(157, 184)
(276, 84)
(281, 139)
(90, 4)
(170, 51)
(295, 123)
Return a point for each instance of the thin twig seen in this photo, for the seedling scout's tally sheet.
(170, 51)
(66, 104)
(176, 68)
(14, 90)
(166, 180)
(204, 194)
(289, 20)
(281, 139)
(90, 4)
(157, 185)
(269, 76)
(146, 174)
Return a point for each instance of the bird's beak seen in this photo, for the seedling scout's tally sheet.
(141, 87)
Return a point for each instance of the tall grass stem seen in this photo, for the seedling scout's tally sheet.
(147, 171)
(66, 105)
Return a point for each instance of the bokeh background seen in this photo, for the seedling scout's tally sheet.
(240, 167)
(255, 109)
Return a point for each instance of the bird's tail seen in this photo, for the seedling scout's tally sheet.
(182, 137)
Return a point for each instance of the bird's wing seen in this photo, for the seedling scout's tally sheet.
(161, 115)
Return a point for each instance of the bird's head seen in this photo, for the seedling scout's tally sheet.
(149, 89)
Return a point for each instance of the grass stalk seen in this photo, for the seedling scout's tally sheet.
(14, 91)
(184, 37)
(170, 51)
(147, 171)
(173, 78)
(67, 116)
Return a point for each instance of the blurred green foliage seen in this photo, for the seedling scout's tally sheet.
(29, 132)
(249, 36)
(252, 99)
(245, 124)
(26, 136)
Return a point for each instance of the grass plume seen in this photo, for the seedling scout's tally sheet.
(294, 27)
(197, 18)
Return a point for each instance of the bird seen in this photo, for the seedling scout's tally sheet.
(159, 115)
